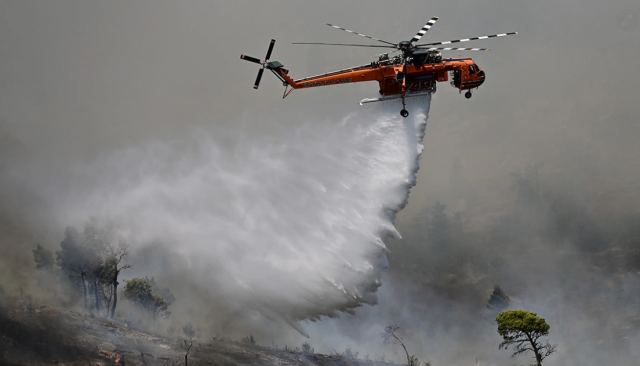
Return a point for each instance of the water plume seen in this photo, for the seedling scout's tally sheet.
(289, 227)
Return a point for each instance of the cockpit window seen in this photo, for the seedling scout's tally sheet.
(473, 69)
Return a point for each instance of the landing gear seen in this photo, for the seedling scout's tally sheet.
(403, 112)
(467, 94)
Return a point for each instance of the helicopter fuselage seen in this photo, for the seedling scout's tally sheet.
(395, 77)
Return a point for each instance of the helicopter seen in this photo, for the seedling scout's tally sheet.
(410, 69)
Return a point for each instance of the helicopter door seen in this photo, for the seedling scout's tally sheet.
(456, 79)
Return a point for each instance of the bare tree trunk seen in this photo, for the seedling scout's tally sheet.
(115, 297)
(403, 347)
(108, 299)
(407, 353)
(115, 283)
(187, 347)
(536, 350)
(84, 290)
(95, 292)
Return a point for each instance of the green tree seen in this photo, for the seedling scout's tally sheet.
(43, 257)
(523, 330)
(76, 260)
(498, 300)
(113, 265)
(144, 292)
(93, 259)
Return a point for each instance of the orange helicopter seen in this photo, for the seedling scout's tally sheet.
(412, 71)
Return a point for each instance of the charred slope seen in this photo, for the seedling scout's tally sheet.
(47, 336)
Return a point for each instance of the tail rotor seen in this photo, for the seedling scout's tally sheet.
(260, 62)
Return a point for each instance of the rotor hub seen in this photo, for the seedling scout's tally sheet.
(405, 45)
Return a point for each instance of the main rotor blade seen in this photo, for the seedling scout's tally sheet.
(257, 83)
(469, 39)
(424, 29)
(452, 49)
(273, 42)
(251, 59)
(344, 44)
(360, 34)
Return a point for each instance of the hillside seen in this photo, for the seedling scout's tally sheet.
(32, 335)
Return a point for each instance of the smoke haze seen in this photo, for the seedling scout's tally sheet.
(130, 111)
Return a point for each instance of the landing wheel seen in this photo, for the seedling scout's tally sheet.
(404, 112)
(467, 94)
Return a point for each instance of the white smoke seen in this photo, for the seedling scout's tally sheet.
(290, 228)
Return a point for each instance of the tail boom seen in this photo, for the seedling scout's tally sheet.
(345, 76)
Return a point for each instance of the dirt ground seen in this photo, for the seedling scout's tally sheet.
(32, 335)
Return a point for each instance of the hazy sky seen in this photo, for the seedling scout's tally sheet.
(78, 77)
(81, 79)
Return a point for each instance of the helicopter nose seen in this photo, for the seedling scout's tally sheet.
(481, 76)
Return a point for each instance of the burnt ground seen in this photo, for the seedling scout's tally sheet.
(32, 335)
